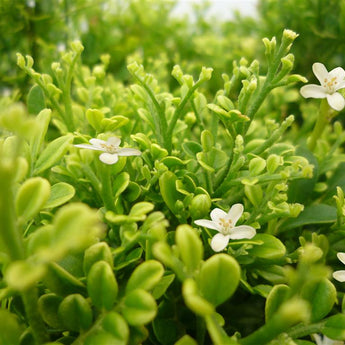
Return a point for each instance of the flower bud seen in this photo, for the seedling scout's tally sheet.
(20, 60)
(188, 80)
(207, 140)
(200, 206)
(177, 73)
(77, 47)
(206, 73)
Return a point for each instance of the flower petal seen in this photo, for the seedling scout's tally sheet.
(337, 73)
(98, 143)
(216, 214)
(108, 158)
(207, 224)
(336, 101)
(341, 257)
(87, 146)
(339, 275)
(242, 231)
(219, 242)
(235, 213)
(115, 141)
(313, 91)
(320, 72)
(128, 152)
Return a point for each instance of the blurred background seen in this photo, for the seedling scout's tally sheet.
(160, 33)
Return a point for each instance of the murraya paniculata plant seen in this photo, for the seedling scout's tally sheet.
(157, 211)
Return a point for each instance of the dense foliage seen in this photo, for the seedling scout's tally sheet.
(163, 181)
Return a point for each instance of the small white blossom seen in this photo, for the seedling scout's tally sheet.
(340, 275)
(326, 341)
(225, 224)
(111, 149)
(330, 82)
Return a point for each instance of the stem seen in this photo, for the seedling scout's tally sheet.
(36, 323)
(160, 120)
(66, 92)
(177, 113)
(302, 330)
(10, 235)
(107, 190)
(320, 125)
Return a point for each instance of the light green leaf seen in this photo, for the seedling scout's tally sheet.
(270, 249)
(146, 276)
(31, 197)
(53, 153)
(60, 193)
(190, 247)
(102, 285)
(36, 100)
(139, 307)
(219, 277)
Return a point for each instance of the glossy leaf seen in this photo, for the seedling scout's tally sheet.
(60, 193)
(139, 307)
(53, 153)
(218, 279)
(31, 197)
(146, 276)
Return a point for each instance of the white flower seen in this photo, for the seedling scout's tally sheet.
(326, 341)
(225, 223)
(340, 275)
(330, 82)
(111, 149)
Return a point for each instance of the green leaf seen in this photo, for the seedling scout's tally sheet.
(60, 193)
(314, 214)
(334, 327)
(116, 325)
(277, 296)
(321, 295)
(191, 148)
(31, 197)
(48, 306)
(219, 277)
(301, 190)
(36, 101)
(75, 313)
(43, 120)
(139, 307)
(102, 285)
(146, 276)
(120, 184)
(95, 117)
(198, 304)
(190, 247)
(54, 151)
(270, 249)
(115, 122)
(61, 282)
(97, 252)
(21, 275)
(10, 331)
(160, 288)
(186, 340)
(167, 184)
(141, 209)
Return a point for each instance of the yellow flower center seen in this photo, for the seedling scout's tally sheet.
(109, 148)
(225, 225)
(330, 84)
